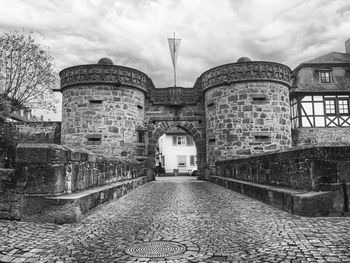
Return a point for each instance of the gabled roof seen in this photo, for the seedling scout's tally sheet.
(330, 58)
(333, 57)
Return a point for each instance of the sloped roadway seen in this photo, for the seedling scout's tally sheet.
(203, 221)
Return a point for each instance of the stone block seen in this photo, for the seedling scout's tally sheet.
(4, 206)
(113, 129)
(233, 98)
(6, 177)
(247, 108)
(319, 203)
(5, 215)
(40, 153)
(92, 158)
(41, 179)
(244, 152)
(74, 156)
(259, 121)
(343, 168)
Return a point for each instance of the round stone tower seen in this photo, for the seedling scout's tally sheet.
(247, 109)
(103, 108)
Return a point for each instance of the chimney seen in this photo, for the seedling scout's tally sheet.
(347, 46)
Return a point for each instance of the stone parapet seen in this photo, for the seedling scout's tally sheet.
(309, 168)
(175, 96)
(300, 202)
(246, 71)
(12, 133)
(46, 170)
(103, 74)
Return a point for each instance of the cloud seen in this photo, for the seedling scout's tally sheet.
(134, 33)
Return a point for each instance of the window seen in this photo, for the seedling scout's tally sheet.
(141, 136)
(343, 106)
(325, 76)
(181, 160)
(320, 111)
(193, 160)
(182, 140)
(330, 106)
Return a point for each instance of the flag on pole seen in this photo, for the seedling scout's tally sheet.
(174, 45)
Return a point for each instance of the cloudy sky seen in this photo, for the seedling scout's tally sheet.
(134, 33)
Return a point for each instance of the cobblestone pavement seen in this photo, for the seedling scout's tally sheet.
(211, 223)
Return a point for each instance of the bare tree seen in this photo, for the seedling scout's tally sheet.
(27, 77)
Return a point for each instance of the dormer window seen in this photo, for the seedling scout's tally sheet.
(325, 75)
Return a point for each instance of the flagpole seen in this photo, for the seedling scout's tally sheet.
(174, 64)
(174, 50)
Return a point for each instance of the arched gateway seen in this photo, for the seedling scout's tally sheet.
(233, 110)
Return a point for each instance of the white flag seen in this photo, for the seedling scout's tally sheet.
(174, 45)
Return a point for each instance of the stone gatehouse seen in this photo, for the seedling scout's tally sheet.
(232, 111)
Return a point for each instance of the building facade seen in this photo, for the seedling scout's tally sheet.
(177, 152)
(320, 100)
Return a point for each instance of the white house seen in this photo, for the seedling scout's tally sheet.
(177, 152)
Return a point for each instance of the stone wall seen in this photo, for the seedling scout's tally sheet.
(247, 118)
(102, 118)
(49, 170)
(9, 199)
(309, 181)
(321, 136)
(311, 168)
(12, 133)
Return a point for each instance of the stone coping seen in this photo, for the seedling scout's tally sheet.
(269, 187)
(103, 74)
(302, 203)
(87, 192)
(246, 71)
(320, 147)
(55, 153)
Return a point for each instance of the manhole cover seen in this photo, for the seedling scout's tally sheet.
(156, 249)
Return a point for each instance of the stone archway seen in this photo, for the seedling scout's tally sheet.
(197, 131)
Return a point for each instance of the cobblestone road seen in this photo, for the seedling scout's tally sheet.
(212, 223)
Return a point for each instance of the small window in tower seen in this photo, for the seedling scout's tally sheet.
(139, 107)
(94, 138)
(259, 99)
(262, 136)
(96, 101)
(141, 136)
(211, 104)
(211, 140)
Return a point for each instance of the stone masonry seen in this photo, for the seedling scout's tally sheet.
(247, 109)
(233, 110)
(247, 118)
(103, 105)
